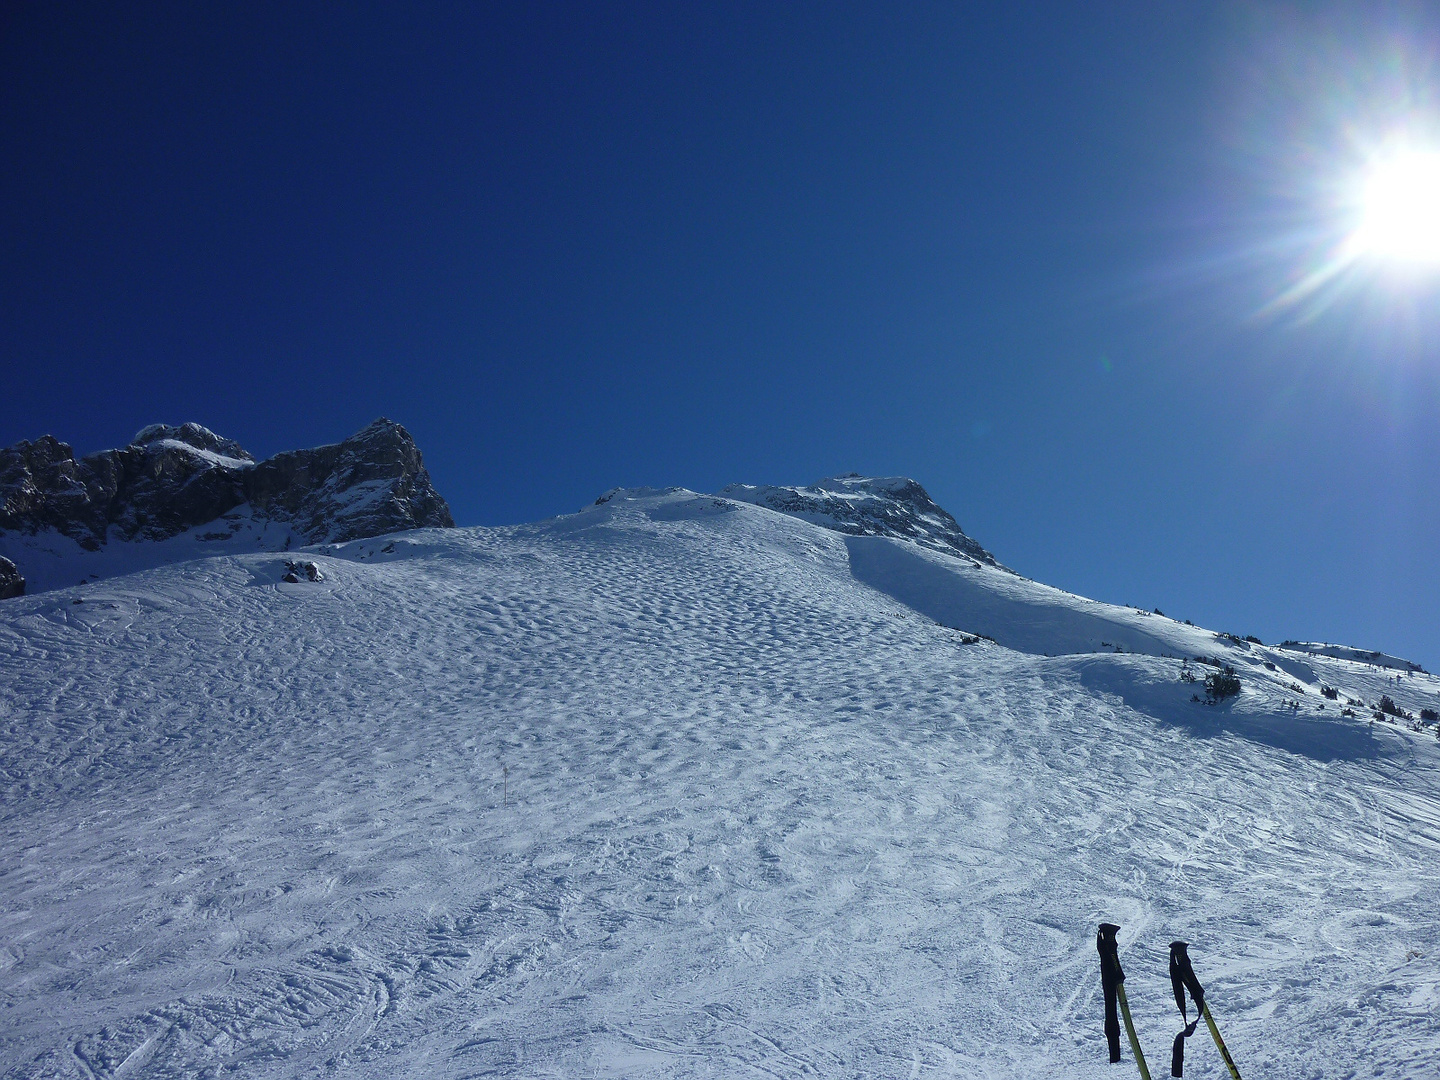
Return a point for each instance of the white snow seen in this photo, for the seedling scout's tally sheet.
(50, 560)
(680, 786)
(210, 457)
(1346, 652)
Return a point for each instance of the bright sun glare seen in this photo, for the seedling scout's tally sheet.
(1400, 210)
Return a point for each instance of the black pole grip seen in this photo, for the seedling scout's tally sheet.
(1183, 978)
(1111, 976)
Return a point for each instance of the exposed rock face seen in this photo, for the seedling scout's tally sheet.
(192, 435)
(170, 479)
(11, 583)
(372, 483)
(868, 506)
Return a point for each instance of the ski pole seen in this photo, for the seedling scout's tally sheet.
(1112, 979)
(1130, 1030)
(1182, 978)
(1219, 1042)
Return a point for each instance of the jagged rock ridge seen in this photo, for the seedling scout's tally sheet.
(868, 506)
(173, 479)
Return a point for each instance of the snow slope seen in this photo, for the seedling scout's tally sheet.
(682, 786)
(52, 560)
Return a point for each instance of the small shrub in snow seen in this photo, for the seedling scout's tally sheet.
(1430, 716)
(1330, 692)
(1389, 708)
(1222, 684)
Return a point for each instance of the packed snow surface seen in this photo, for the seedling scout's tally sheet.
(682, 786)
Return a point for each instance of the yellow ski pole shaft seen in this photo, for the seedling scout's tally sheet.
(1135, 1042)
(1214, 1034)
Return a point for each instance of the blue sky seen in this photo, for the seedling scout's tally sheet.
(1030, 256)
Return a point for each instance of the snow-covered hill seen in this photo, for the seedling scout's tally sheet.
(683, 786)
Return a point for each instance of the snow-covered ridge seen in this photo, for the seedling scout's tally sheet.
(179, 493)
(962, 592)
(1346, 652)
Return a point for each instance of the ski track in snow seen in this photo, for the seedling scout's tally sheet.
(759, 820)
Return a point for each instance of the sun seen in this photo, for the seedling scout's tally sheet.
(1399, 210)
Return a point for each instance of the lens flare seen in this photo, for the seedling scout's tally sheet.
(1400, 209)
(1384, 232)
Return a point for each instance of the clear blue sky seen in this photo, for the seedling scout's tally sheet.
(1026, 254)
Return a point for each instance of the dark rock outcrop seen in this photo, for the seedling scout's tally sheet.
(11, 583)
(868, 506)
(372, 483)
(301, 570)
(170, 479)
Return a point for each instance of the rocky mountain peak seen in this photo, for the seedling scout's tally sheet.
(192, 435)
(172, 480)
(372, 483)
